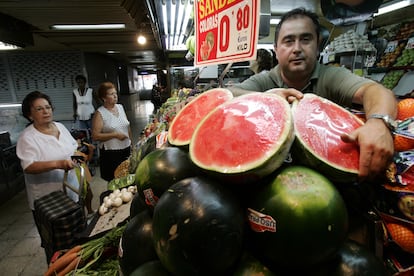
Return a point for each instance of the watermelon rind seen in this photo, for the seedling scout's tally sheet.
(305, 155)
(256, 126)
(186, 120)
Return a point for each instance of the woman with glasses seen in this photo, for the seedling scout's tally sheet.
(111, 128)
(45, 148)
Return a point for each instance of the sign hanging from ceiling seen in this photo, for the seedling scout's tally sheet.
(225, 31)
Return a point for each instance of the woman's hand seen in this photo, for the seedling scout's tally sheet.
(65, 164)
(290, 94)
(121, 136)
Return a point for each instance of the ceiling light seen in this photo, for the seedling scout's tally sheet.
(176, 17)
(10, 105)
(112, 52)
(141, 40)
(6, 46)
(394, 6)
(88, 27)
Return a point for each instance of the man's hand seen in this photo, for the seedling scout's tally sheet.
(290, 94)
(376, 147)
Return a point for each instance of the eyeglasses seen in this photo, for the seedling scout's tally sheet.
(40, 109)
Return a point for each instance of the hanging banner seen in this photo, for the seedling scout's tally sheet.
(226, 31)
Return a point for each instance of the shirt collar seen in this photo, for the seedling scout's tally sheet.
(278, 78)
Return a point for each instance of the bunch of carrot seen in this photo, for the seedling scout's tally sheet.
(80, 257)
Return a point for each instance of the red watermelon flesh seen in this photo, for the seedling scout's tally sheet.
(185, 122)
(250, 132)
(318, 124)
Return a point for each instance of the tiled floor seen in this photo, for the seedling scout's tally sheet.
(20, 252)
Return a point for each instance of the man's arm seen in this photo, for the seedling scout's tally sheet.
(376, 99)
(374, 137)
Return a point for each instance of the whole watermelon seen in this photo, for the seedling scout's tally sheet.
(248, 265)
(298, 220)
(355, 259)
(198, 228)
(159, 169)
(137, 206)
(136, 243)
(151, 268)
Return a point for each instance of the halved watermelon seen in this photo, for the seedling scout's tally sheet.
(244, 139)
(318, 124)
(185, 122)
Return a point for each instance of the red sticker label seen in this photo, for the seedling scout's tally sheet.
(260, 222)
(150, 198)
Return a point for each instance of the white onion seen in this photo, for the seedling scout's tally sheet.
(117, 202)
(126, 196)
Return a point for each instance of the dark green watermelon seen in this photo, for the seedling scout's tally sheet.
(137, 206)
(355, 259)
(136, 244)
(298, 220)
(159, 170)
(248, 265)
(152, 268)
(198, 228)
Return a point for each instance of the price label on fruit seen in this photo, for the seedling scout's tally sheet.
(226, 31)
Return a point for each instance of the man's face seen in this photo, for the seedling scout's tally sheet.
(297, 47)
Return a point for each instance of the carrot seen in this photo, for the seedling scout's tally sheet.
(61, 263)
(76, 248)
(71, 266)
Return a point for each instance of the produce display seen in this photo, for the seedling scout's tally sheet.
(233, 202)
(117, 198)
(392, 78)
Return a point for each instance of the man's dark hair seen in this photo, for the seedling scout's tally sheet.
(297, 13)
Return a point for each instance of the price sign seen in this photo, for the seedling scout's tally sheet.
(391, 46)
(226, 31)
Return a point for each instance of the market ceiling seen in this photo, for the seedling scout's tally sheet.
(139, 17)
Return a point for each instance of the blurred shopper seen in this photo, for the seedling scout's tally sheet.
(264, 61)
(111, 128)
(83, 107)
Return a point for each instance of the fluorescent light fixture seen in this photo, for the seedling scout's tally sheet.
(394, 6)
(112, 52)
(274, 21)
(6, 46)
(88, 27)
(267, 46)
(10, 105)
(175, 20)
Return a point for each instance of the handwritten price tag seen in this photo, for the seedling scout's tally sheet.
(226, 31)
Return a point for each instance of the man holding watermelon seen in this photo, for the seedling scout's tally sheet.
(297, 51)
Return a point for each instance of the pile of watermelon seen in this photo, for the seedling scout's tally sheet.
(224, 196)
